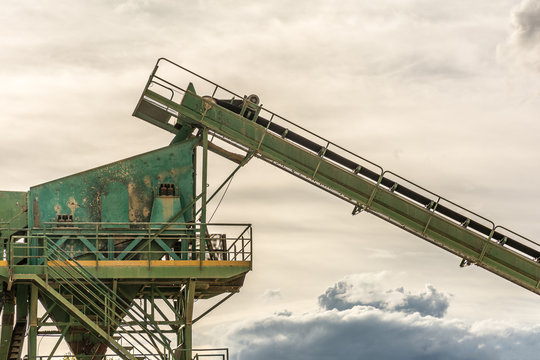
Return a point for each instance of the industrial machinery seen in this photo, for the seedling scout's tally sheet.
(100, 249)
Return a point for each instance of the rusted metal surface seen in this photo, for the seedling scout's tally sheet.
(103, 194)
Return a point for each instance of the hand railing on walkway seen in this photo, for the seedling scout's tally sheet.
(119, 241)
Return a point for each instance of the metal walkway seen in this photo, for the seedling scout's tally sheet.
(180, 101)
(77, 288)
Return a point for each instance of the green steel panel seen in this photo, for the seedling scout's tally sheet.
(147, 273)
(81, 195)
(13, 213)
(114, 193)
(114, 203)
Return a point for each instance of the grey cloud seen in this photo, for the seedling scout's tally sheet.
(523, 44)
(271, 295)
(367, 333)
(285, 312)
(337, 297)
(379, 330)
(526, 22)
(429, 302)
(363, 290)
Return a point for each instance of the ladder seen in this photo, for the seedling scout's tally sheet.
(243, 123)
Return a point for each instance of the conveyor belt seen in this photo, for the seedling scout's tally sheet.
(390, 184)
(338, 171)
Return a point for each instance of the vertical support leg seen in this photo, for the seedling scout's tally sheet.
(22, 303)
(178, 320)
(8, 318)
(187, 330)
(203, 191)
(32, 333)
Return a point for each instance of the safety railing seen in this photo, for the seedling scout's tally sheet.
(205, 354)
(167, 75)
(140, 241)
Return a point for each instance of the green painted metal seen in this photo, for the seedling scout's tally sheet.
(195, 111)
(13, 214)
(119, 194)
(91, 300)
(13, 208)
(89, 244)
(32, 332)
(8, 320)
(104, 194)
(74, 311)
(189, 292)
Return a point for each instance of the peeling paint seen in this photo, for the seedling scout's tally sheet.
(72, 205)
(147, 181)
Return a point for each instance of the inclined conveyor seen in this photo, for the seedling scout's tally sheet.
(243, 123)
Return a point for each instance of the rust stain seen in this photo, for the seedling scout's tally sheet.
(135, 203)
(37, 214)
(147, 181)
(72, 205)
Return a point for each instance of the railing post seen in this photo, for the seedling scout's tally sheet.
(46, 259)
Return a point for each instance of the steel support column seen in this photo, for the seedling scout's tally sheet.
(204, 187)
(8, 319)
(188, 314)
(32, 333)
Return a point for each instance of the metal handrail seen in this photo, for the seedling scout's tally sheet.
(330, 144)
(96, 234)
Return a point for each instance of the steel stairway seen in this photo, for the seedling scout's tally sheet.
(17, 341)
(97, 308)
(246, 125)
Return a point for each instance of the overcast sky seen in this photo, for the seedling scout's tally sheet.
(445, 93)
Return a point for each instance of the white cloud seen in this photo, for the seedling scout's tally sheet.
(367, 290)
(367, 330)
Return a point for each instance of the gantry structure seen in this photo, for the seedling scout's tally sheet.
(118, 254)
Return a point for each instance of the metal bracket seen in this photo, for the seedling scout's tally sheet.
(358, 209)
(464, 262)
